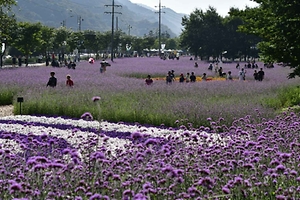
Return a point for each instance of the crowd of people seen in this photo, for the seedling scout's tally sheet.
(258, 75)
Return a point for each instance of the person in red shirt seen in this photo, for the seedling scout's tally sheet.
(149, 80)
(69, 81)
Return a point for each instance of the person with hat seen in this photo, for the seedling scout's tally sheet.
(69, 81)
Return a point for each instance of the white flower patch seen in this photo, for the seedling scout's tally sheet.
(78, 139)
(208, 138)
(12, 146)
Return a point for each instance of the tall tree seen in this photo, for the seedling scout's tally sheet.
(47, 37)
(192, 35)
(277, 23)
(29, 38)
(203, 32)
(7, 25)
(238, 44)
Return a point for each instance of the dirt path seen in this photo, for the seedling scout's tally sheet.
(6, 110)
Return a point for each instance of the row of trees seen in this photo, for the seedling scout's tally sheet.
(208, 34)
(271, 28)
(205, 34)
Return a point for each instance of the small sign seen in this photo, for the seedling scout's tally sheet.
(163, 46)
(20, 99)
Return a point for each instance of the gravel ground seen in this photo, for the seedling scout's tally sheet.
(6, 110)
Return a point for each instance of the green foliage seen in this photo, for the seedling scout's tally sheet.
(208, 34)
(277, 23)
(285, 98)
(29, 37)
(7, 96)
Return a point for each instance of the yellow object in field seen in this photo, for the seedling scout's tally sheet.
(197, 79)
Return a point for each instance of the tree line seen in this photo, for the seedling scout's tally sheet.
(268, 31)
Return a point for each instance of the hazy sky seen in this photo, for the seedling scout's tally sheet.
(188, 6)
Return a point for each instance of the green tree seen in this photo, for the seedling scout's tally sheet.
(75, 41)
(47, 37)
(191, 36)
(172, 43)
(29, 38)
(277, 23)
(7, 25)
(238, 44)
(203, 33)
(61, 36)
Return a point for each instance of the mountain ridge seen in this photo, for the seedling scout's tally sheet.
(135, 19)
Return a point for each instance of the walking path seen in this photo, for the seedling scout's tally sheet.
(23, 65)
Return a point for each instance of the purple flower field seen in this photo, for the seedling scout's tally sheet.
(126, 97)
(59, 158)
(255, 156)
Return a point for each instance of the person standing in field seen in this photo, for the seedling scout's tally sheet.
(187, 77)
(169, 78)
(20, 61)
(14, 61)
(103, 65)
(69, 81)
(149, 80)
(255, 75)
(229, 76)
(196, 64)
(193, 77)
(220, 71)
(242, 74)
(204, 77)
(181, 78)
(261, 74)
(172, 75)
(52, 80)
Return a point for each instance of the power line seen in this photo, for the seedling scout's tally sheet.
(112, 25)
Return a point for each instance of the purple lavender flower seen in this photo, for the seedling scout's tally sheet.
(87, 116)
(136, 135)
(15, 187)
(96, 98)
(96, 197)
(280, 168)
(226, 190)
(281, 197)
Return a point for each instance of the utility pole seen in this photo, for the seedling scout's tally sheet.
(112, 26)
(79, 20)
(117, 23)
(129, 27)
(64, 23)
(159, 27)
